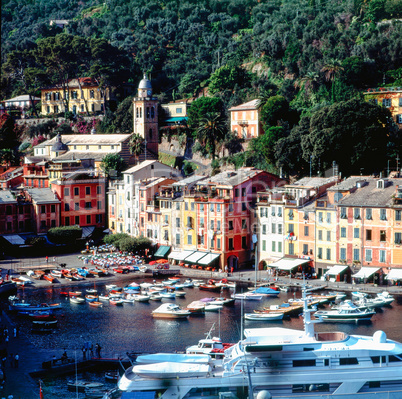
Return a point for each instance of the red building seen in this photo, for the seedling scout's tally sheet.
(82, 198)
(45, 209)
(11, 178)
(35, 174)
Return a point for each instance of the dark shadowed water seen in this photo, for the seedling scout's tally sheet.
(131, 328)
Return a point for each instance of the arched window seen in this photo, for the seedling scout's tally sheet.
(147, 112)
(137, 112)
(152, 112)
(140, 112)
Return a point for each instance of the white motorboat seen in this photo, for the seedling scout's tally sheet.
(141, 298)
(248, 296)
(170, 311)
(358, 294)
(154, 296)
(270, 316)
(212, 307)
(386, 297)
(77, 299)
(346, 311)
(282, 362)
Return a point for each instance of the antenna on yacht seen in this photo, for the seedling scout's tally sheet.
(308, 323)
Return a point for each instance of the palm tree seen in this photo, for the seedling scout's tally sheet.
(309, 82)
(211, 131)
(331, 69)
(136, 145)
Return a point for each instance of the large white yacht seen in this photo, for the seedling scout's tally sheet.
(281, 363)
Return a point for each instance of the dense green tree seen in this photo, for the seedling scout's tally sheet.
(113, 164)
(355, 134)
(226, 78)
(200, 107)
(136, 145)
(64, 234)
(264, 145)
(274, 110)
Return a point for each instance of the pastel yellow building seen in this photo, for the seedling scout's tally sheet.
(81, 96)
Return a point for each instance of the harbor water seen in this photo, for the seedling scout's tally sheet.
(131, 328)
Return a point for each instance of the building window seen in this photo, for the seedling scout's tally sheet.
(77, 220)
(399, 117)
(52, 208)
(230, 224)
(98, 219)
(244, 242)
(177, 239)
(244, 224)
(218, 225)
(398, 215)
(273, 211)
(398, 238)
(291, 228)
(369, 214)
(186, 206)
(342, 254)
(230, 207)
(319, 255)
(88, 205)
(328, 217)
(382, 256)
(328, 236)
(386, 102)
(279, 246)
(279, 228)
(218, 208)
(273, 246)
(279, 211)
(212, 224)
(236, 192)
(177, 222)
(290, 214)
(356, 254)
(189, 239)
(273, 228)
(76, 191)
(306, 231)
(88, 219)
(291, 248)
(66, 191)
(211, 208)
(368, 235)
(319, 235)
(343, 213)
(87, 190)
(343, 232)
(356, 213)
(243, 206)
(356, 233)
(264, 245)
(91, 94)
(328, 253)
(192, 206)
(383, 235)
(42, 225)
(369, 256)
(383, 214)
(320, 217)
(231, 247)
(264, 229)
(305, 249)
(166, 235)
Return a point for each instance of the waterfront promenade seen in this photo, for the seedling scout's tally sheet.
(18, 380)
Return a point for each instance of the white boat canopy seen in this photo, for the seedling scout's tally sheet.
(366, 272)
(337, 269)
(394, 274)
(288, 263)
(180, 255)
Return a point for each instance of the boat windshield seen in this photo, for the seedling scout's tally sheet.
(331, 336)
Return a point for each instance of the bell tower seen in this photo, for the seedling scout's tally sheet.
(145, 111)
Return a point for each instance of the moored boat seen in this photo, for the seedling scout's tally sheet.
(273, 316)
(77, 299)
(81, 385)
(170, 311)
(95, 304)
(346, 311)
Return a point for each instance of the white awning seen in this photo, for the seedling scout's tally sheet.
(195, 257)
(288, 263)
(335, 270)
(366, 272)
(180, 255)
(15, 239)
(87, 231)
(394, 274)
(208, 258)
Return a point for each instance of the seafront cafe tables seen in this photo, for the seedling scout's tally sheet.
(196, 259)
(367, 274)
(289, 264)
(337, 273)
(394, 275)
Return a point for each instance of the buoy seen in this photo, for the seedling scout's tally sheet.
(264, 395)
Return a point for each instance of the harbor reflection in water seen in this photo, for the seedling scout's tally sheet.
(131, 328)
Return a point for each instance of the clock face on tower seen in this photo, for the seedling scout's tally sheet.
(149, 92)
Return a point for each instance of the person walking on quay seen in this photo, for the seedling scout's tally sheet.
(16, 359)
(98, 350)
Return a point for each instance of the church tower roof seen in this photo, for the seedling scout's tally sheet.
(145, 83)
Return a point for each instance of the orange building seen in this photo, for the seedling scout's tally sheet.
(245, 120)
(388, 97)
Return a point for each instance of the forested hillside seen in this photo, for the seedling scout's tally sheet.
(309, 54)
